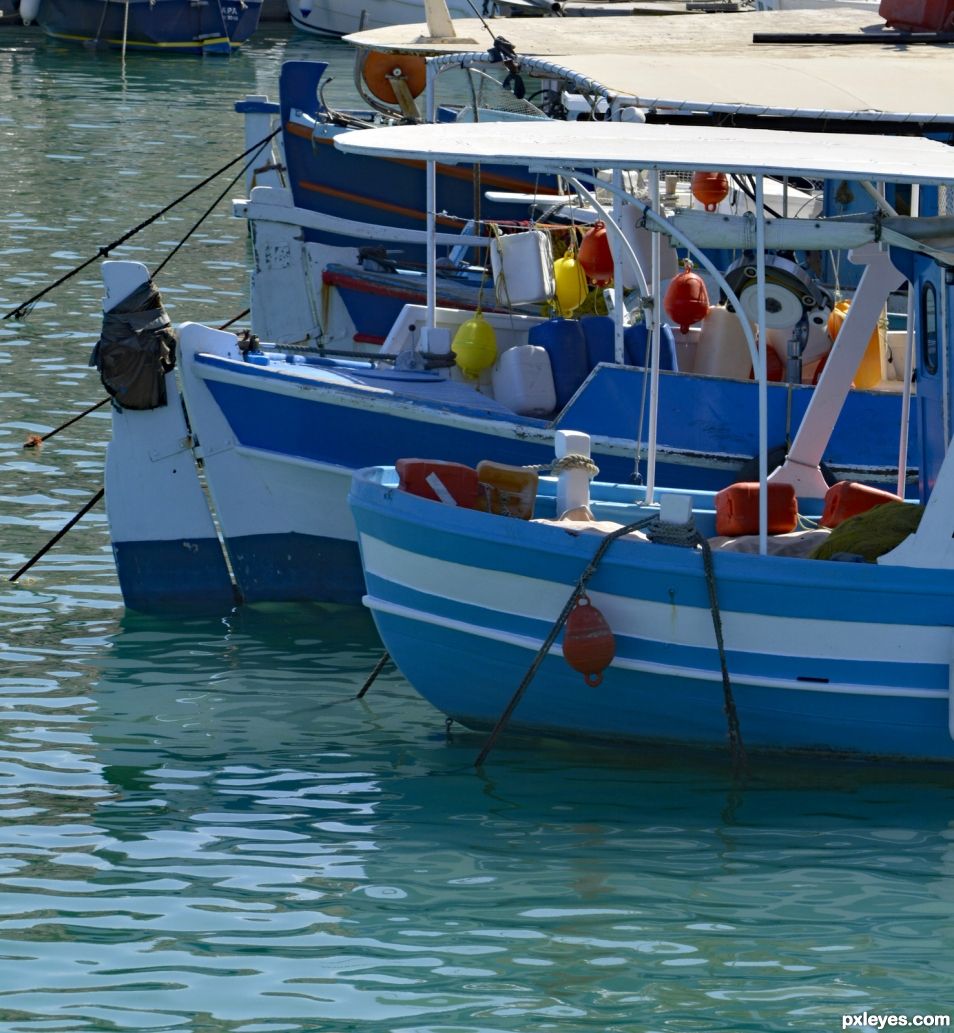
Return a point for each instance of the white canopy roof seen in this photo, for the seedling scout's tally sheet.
(676, 147)
(710, 62)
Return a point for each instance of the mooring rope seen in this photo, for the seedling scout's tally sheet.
(26, 307)
(35, 440)
(731, 714)
(241, 172)
(663, 533)
(59, 534)
(555, 631)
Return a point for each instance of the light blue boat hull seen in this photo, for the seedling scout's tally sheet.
(823, 657)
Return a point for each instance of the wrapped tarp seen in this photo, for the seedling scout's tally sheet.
(136, 349)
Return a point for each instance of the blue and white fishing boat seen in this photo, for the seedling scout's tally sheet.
(709, 637)
(168, 26)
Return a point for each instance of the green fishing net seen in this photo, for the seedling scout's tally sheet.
(873, 533)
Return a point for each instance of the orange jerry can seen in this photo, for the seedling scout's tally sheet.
(737, 509)
(507, 490)
(849, 498)
(451, 483)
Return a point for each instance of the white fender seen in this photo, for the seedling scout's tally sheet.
(29, 10)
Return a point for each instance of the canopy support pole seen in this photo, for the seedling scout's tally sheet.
(908, 369)
(655, 333)
(763, 362)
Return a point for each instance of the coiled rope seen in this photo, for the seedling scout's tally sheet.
(573, 461)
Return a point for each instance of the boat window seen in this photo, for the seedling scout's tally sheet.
(929, 328)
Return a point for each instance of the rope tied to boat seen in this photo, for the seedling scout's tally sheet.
(578, 589)
(687, 536)
(573, 461)
(26, 307)
(662, 532)
(733, 727)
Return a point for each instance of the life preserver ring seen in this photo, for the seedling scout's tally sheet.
(409, 67)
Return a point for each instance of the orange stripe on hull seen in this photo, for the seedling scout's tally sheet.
(450, 171)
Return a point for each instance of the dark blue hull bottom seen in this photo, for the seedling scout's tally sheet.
(174, 575)
(297, 568)
(177, 26)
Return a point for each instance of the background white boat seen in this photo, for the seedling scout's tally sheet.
(342, 17)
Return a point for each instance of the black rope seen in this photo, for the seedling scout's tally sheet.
(36, 441)
(26, 307)
(241, 172)
(731, 715)
(59, 534)
(378, 668)
(555, 631)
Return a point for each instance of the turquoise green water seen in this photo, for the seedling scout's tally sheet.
(202, 829)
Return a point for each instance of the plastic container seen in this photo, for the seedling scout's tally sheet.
(522, 265)
(849, 498)
(507, 490)
(523, 381)
(722, 350)
(737, 509)
(565, 344)
(868, 373)
(451, 483)
(636, 345)
(600, 335)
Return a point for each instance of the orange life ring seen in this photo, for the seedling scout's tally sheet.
(378, 66)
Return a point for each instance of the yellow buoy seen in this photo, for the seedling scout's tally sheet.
(868, 373)
(475, 345)
(571, 286)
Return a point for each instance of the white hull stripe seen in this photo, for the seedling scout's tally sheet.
(672, 624)
(655, 669)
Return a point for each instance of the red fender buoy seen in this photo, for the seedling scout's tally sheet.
(595, 256)
(687, 300)
(709, 188)
(588, 643)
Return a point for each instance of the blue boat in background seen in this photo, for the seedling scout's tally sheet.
(167, 26)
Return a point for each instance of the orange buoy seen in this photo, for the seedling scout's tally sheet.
(588, 643)
(849, 498)
(709, 188)
(595, 256)
(409, 67)
(687, 300)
